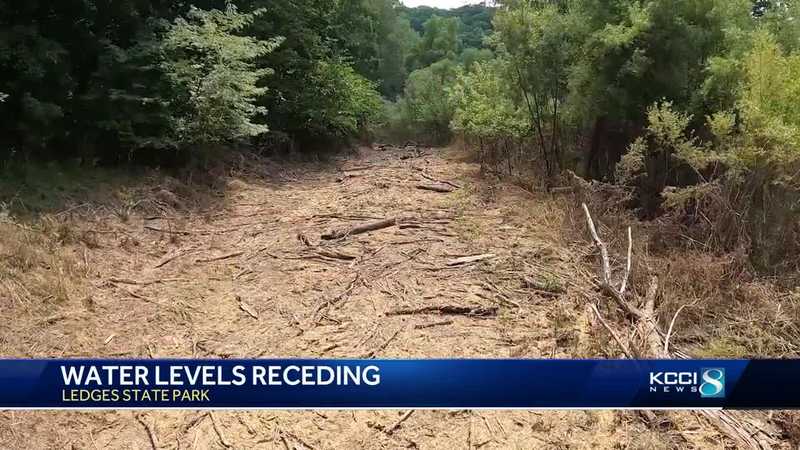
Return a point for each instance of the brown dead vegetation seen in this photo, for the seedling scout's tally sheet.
(237, 266)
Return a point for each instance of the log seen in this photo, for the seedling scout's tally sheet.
(435, 187)
(358, 229)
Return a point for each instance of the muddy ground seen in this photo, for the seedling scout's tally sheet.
(249, 276)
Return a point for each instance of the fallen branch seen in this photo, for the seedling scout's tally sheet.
(475, 311)
(399, 422)
(170, 258)
(627, 265)
(246, 308)
(648, 326)
(344, 294)
(611, 331)
(335, 254)
(669, 331)
(144, 283)
(151, 433)
(469, 259)
(435, 188)
(605, 269)
(161, 230)
(381, 347)
(218, 430)
(358, 229)
(423, 174)
(739, 426)
(219, 258)
(422, 326)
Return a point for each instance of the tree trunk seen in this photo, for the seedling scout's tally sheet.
(592, 169)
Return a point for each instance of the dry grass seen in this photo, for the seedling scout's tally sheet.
(36, 266)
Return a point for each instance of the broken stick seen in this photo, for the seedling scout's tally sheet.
(151, 433)
(477, 311)
(358, 229)
(399, 422)
(469, 259)
(219, 258)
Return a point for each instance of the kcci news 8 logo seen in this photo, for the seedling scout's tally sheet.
(713, 383)
(709, 382)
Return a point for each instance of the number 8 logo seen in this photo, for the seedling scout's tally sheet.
(713, 383)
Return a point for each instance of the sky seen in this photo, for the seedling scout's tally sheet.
(439, 3)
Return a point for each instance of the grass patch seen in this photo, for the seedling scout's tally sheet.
(721, 347)
(33, 189)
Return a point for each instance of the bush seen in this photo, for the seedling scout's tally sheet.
(214, 76)
(344, 104)
(746, 190)
(424, 111)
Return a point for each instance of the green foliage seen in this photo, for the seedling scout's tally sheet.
(471, 56)
(665, 137)
(440, 40)
(52, 57)
(309, 100)
(214, 75)
(379, 39)
(346, 104)
(768, 105)
(476, 21)
(424, 111)
(486, 105)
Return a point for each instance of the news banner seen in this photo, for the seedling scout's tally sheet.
(396, 383)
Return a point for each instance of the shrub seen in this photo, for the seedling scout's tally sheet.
(213, 72)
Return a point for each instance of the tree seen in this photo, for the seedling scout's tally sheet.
(476, 20)
(541, 44)
(53, 62)
(425, 107)
(310, 71)
(440, 41)
(214, 75)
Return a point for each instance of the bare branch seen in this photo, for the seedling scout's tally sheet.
(628, 264)
(605, 270)
(612, 332)
(648, 326)
(669, 331)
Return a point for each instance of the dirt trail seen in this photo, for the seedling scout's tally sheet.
(254, 279)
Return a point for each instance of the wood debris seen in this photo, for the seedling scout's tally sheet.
(399, 422)
(435, 187)
(246, 308)
(475, 311)
(423, 326)
(469, 259)
(361, 228)
(219, 258)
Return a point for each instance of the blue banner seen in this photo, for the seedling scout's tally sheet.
(421, 383)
